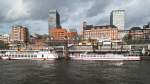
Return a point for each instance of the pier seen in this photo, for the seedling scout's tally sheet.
(64, 51)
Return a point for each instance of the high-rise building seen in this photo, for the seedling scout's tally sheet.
(117, 18)
(53, 19)
(20, 34)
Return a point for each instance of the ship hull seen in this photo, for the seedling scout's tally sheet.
(107, 59)
(126, 58)
(29, 55)
(10, 58)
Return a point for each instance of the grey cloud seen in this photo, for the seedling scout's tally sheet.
(138, 13)
(98, 7)
(4, 8)
(40, 8)
(75, 11)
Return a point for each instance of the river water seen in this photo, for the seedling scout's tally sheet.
(74, 72)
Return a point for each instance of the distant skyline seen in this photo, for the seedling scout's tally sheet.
(34, 13)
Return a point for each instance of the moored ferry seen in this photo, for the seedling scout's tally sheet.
(104, 57)
(44, 54)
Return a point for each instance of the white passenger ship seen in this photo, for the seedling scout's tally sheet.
(104, 57)
(45, 54)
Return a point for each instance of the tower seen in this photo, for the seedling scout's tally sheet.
(117, 18)
(53, 19)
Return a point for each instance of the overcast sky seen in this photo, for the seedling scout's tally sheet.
(34, 13)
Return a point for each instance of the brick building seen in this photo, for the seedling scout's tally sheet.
(57, 33)
(136, 33)
(19, 36)
(100, 33)
(19, 33)
(58, 36)
(140, 34)
(38, 42)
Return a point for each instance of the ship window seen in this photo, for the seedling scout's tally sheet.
(42, 55)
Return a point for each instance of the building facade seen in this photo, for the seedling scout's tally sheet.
(146, 31)
(100, 33)
(121, 34)
(38, 42)
(58, 33)
(117, 18)
(72, 37)
(140, 35)
(20, 34)
(136, 33)
(5, 38)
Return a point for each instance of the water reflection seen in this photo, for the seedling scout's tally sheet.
(46, 63)
(74, 72)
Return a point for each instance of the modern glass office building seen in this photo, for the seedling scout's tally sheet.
(117, 18)
(53, 19)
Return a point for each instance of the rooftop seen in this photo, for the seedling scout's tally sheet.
(88, 27)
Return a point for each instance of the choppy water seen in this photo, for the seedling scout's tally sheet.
(74, 72)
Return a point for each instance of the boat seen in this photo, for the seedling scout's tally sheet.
(93, 56)
(44, 54)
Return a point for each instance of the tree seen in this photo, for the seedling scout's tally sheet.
(127, 39)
